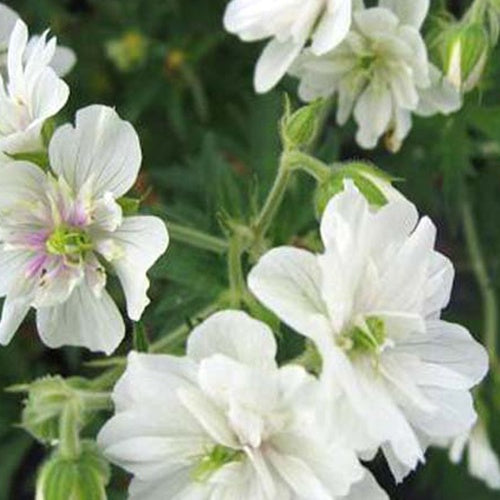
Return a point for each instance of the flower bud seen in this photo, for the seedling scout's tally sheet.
(299, 129)
(46, 399)
(374, 184)
(82, 478)
(466, 55)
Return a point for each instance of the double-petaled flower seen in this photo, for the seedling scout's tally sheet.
(381, 73)
(59, 230)
(398, 376)
(63, 60)
(225, 422)
(30, 92)
(290, 24)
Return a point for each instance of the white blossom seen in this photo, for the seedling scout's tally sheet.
(290, 24)
(398, 375)
(57, 228)
(64, 58)
(482, 461)
(381, 73)
(31, 94)
(225, 422)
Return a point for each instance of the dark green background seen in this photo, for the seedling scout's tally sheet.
(210, 146)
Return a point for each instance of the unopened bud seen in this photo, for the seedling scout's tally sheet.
(81, 478)
(466, 55)
(299, 128)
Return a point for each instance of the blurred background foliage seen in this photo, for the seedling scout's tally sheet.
(211, 147)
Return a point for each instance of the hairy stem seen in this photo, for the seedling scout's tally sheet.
(69, 438)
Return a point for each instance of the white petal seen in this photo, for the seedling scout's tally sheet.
(274, 62)
(287, 281)
(101, 148)
(63, 61)
(142, 239)
(210, 417)
(148, 375)
(451, 346)
(298, 475)
(13, 313)
(412, 12)
(332, 28)
(373, 113)
(236, 335)
(83, 320)
(8, 19)
(367, 488)
(49, 95)
(440, 97)
(483, 461)
(21, 182)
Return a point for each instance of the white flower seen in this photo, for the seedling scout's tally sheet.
(64, 58)
(381, 73)
(32, 93)
(371, 303)
(225, 422)
(483, 462)
(54, 231)
(290, 24)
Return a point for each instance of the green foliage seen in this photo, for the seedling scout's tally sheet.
(211, 146)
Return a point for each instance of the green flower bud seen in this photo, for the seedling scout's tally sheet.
(46, 399)
(83, 478)
(466, 55)
(373, 183)
(298, 129)
(49, 396)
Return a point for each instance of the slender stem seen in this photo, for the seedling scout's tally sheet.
(180, 333)
(490, 305)
(197, 239)
(315, 168)
(274, 199)
(69, 438)
(237, 284)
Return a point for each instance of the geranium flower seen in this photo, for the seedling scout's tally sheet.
(226, 422)
(57, 229)
(381, 74)
(32, 93)
(290, 24)
(398, 375)
(63, 60)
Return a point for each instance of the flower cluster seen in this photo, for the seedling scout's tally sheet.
(379, 68)
(381, 371)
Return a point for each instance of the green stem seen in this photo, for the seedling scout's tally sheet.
(237, 284)
(179, 334)
(490, 306)
(197, 239)
(69, 438)
(95, 401)
(273, 200)
(315, 168)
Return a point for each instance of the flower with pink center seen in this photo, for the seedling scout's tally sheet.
(57, 229)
